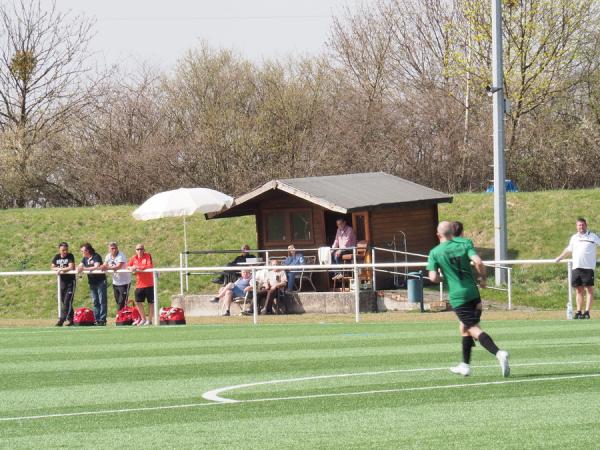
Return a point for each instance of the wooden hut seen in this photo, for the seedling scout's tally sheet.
(385, 210)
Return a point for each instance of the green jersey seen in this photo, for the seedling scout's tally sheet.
(453, 258)
(462, 240)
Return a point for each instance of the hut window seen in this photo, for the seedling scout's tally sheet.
(301, 225)
(288, 225)
(276, 226)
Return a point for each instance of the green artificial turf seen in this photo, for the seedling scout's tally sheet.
(149, 383)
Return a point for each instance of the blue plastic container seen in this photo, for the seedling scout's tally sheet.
(415, 288)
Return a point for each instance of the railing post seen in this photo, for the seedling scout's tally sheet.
(267, 258)
(58, 296)
(570, 290)
(254, 298)
(356, 294)
(509, 281)
(441, 291)
(156, 305)
(422, 302)
(187, 275)
(373, 280)
(181, 273)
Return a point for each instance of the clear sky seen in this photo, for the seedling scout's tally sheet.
(160, 31)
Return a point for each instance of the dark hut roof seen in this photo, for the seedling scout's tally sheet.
(343, 193)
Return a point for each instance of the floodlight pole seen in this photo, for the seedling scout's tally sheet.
(497, 91)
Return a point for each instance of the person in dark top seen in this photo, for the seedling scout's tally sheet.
(64, 262)
(232, 276)
(92, 263)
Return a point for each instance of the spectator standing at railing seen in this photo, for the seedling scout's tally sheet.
(144, 283)
(344, 239)
(454, 260)
(232, 276)
(582, 245)
(121, 281)
(293, 259)
(92, 262)
(63, 262)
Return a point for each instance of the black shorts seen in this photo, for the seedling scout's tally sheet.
(469, 313)
(582, 277)
(146, 293)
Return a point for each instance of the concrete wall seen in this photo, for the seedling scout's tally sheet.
(297, 303)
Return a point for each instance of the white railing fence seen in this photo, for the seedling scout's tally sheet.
(355, 267)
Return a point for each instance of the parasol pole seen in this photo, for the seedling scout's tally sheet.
(185, 257)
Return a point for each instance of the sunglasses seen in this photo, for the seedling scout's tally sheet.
(138, 249)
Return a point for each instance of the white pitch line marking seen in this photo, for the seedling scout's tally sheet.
(214, 394)
(106, 411)
(225, 401)
(419, 388)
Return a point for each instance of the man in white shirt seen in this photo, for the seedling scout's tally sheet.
(268, 283)
(116, 260)
(582, 246)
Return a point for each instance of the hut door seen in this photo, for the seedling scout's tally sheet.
(361, 226)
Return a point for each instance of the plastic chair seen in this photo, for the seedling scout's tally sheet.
(307, 274)
(361, 253)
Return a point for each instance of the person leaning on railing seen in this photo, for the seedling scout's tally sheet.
(92, 262)
(121, 281)
(64, 262)
(144, 284)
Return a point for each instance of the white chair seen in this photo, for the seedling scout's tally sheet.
(307, 274)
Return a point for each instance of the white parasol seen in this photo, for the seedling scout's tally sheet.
(182, 202)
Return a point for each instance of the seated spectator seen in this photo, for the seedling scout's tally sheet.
(344, 239)
(274, 281)
(268, 282)
(232, 290)
(261, 291)
(230, 276)
(293, 259)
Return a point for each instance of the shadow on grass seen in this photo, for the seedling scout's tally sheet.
(488, 253)
(547, 374)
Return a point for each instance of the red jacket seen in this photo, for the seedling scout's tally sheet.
(142, 279)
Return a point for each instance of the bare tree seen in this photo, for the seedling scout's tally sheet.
(43, 55)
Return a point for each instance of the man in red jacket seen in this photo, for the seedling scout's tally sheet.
(144, 283)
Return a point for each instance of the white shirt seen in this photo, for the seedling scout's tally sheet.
(119, 278)
(583, 248)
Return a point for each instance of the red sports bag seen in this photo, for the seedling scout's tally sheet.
(84, 317)
(127, 315)
(171, 316)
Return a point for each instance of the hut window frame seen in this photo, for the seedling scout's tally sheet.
(288, 228)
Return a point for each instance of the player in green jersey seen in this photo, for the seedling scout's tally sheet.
(458, 235)
(453, 259)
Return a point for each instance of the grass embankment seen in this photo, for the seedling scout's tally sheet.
(539, 226)
(28, 240)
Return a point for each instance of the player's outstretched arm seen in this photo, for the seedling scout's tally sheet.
(479, 270)
(434, 276)
(564, 253)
